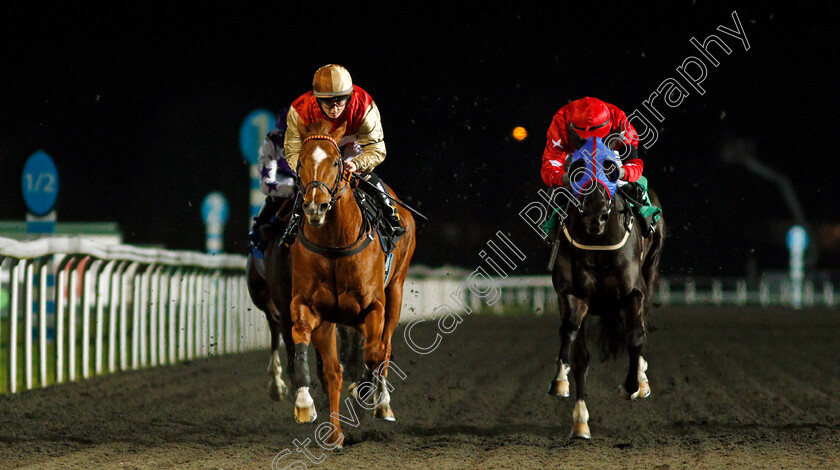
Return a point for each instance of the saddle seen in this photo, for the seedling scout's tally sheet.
(372, 212)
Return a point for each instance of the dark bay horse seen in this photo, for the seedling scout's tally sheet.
(279, 319)
(604, 268)
(338, 277)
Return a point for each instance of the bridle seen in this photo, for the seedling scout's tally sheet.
(334, 191)
(337, 188)
(628, 224)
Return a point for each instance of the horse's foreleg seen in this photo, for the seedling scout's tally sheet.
(305, 322)
(633, 315)
(580, 367)
(572, 311)
(324, 339)
(376, 350)
(352, 356)
(393, 305)
(289, 343)
(277, 388)
(258, 290)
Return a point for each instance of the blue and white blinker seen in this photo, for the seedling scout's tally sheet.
(597, 162)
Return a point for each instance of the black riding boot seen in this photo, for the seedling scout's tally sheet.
(389, 209)
(267, 211)
(639, 200)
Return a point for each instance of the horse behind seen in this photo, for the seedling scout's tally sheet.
(338, 278)
(604, 268)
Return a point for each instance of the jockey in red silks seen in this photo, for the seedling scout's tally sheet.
(588, 117)
(335, 98)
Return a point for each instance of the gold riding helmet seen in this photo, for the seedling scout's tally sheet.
(331, 81)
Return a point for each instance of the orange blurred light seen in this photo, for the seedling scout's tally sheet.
(519, 133)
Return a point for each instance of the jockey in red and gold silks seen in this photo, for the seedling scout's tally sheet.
(363, 127)
(335, 98)
(588, 117)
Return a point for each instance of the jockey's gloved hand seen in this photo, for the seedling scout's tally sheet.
(621, 173)
(565, 179)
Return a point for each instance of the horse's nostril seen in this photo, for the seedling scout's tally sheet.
(604, 217)
(323, 207)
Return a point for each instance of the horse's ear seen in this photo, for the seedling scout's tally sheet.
(339, 132)
(612, 140)
(577, 140)
(303, 129)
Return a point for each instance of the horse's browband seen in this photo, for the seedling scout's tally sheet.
(320, 137)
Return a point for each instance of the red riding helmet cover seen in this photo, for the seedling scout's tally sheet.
(590, 117)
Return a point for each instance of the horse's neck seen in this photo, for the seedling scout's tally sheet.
(342, 223)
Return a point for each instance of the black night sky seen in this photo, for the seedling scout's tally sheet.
(140, 108)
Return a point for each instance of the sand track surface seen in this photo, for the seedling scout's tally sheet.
(732, 387)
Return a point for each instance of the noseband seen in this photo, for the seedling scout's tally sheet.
(333, 191)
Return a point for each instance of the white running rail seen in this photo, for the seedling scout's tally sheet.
(116, 307)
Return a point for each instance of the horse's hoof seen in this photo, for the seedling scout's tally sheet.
(338, 445)
(632, 396)
(559, 388)
(580, 431)
(644, 389)
(353, 390)
(384, 413)
(306, 414)
(277, 392)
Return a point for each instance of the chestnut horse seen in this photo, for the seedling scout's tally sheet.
(338, 277)
(604, 268)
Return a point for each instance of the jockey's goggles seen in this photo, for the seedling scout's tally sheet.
(336, 101)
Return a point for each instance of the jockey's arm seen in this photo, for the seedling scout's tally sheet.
(273, 183)
(633, 169)
(555, 154)
(552, 169)
(372, 141)
(632, 166)
(291, 141)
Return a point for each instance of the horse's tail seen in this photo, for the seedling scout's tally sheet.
(610, 335)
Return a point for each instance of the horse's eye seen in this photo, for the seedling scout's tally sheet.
(337, 162)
